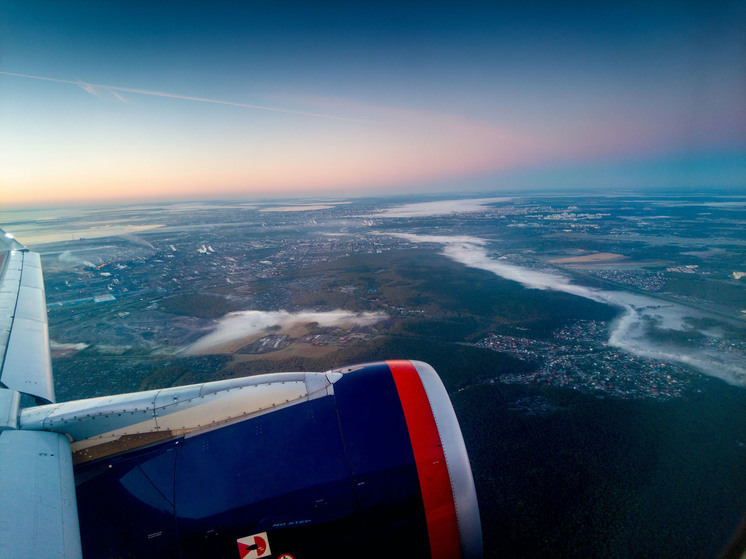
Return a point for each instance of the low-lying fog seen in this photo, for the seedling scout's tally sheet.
(237, 327)
(642, 315)
(440, 207)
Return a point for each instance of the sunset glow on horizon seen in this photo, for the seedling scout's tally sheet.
(218, 100)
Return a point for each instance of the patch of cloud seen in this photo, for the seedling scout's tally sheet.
(299, 208)
(71, 259)
(441, 207)
(242, 325)
(60, 346)
(201, 206)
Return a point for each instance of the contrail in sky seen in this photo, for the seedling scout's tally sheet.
(89, 87)
(115, 94)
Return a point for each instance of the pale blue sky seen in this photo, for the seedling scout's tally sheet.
(404, 95)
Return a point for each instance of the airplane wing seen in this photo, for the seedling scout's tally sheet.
(25, 364)
(38, 509)
(363, 461)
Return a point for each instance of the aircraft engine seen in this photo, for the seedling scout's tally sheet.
(362, 461)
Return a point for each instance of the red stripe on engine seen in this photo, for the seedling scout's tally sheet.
(435, 483)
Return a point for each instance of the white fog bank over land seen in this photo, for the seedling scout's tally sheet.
(298, 208)
(52, 232)
(441, 207)
(238, 326)
(641, 316)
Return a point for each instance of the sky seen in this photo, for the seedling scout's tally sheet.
(136, 101)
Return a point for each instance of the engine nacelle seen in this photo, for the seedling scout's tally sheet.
(363, 461)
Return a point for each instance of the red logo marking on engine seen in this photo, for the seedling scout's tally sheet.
(254, 547)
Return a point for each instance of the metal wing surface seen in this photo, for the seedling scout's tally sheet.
(38, 509)
(25, 363)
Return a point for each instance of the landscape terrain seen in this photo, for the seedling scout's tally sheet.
(594, 347)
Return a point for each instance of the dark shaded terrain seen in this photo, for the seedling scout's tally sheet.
(606, 478)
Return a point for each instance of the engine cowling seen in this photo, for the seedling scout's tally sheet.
(365, 461)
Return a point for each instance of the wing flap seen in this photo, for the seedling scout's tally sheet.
(38, 509)
(10, 285)
(24, 337)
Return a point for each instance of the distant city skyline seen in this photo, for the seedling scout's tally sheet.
(126, 102)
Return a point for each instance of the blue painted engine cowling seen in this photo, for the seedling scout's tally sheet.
(352, 474)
